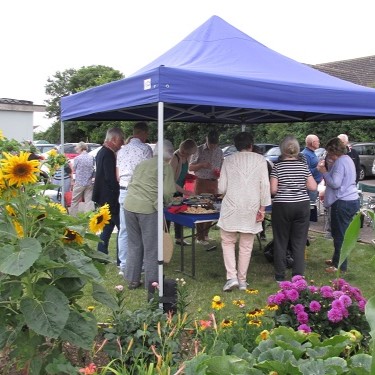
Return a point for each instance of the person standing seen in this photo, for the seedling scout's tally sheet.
(341, 196)
(106, 187)
(141, 215)
(206, 164)
(128, 157)
(290, 180)
(83, 168)
(312, 143)
(245, 182)
(180, 166)
(353, 154)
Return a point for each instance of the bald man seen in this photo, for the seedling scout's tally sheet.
(353, 155)
(312, 144)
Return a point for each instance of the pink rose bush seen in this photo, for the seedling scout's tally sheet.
(327, 310)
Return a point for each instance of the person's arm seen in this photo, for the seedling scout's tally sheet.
(311, 183)
(274, 185)
(169, 186)
(174, 164)
(223, 180)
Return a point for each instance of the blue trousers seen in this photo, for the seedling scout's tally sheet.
(105, 236)
(342, 213)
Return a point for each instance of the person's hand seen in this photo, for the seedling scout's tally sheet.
(206, 164)
(321, 167)
(216, 172)
(260, 216)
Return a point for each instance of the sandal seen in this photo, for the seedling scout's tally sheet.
(328, 262)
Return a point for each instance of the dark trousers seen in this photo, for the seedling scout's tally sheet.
(290, 224)
(342, 213)
(105, 236)
(177, 230)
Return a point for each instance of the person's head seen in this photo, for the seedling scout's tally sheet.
(335, 147)
(115, 137)
(140, 131)
(343, 138)
(312, 142)
(187, 148)
(243, 141)
(289, 147)
(81, 146)
(168, 150)
(212, 139)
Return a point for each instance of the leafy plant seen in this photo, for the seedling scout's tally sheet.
(45, 262)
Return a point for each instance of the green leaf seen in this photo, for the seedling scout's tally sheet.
(101, 295)
(227, 364)
(80, 330)
(370, 314)
(350, 238)
(360, 364)
(48, 315)
(60, 366)
(15, 260)
(76, 260)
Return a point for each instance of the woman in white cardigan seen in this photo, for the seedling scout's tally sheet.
(245, 183)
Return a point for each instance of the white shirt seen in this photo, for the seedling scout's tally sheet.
(128, 157)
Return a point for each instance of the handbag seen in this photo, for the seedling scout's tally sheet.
(168, 245)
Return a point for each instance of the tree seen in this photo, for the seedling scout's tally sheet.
(70, 82)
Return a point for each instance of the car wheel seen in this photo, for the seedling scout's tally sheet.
(362, 173)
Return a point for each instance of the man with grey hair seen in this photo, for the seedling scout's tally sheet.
(312, 143)
(106, 186)
(141, 216)
(353, 155)
(128, 157)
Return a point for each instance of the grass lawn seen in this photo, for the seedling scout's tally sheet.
(210, 275)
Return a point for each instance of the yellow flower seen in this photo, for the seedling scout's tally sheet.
(59, 206)
(255, 313)
(255, 322)
(90, 308)
(216, 299)
(52, 152)
(18, 170)
(226, 323)
(18, 228)
(217, 305)
(272, 307)
(72, 236)
(99, 220)
(264, 334)
(10, 210)
(252, 291)
(239, 302)
(1, 135)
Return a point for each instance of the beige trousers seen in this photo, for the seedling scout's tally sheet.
(228, 244)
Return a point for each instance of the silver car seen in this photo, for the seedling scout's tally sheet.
(366, 152)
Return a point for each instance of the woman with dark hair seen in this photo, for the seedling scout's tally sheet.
(341, 195)
(290, 180)
(245, 183)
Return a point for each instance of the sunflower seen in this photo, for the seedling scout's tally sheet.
(255, 313)
(99, 220)
(217, 305)
(10, 210)
(226, 323)
(272, 307)
(72, 236)
(239, 303)
(252, 291)
(18, 228)
(18, 170)
(264, 334)
(58, 206)
(255, 322)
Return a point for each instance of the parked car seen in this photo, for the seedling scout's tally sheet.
(273, 154)
(70, 151)
(44, 147)
(366, 152)
(229, 150)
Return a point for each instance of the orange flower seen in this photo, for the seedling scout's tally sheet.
(89, 370)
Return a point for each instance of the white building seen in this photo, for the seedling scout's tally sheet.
(17, 118)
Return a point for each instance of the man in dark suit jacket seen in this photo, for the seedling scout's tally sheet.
(106, 186)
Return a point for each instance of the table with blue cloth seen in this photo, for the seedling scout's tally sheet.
(190, 221)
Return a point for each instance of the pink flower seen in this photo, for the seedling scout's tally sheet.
(302, 317)
(155, 285)
(362, 304)
(305, 328)
(298, 308)
(119, 288)
(313, 289)
(300, 284)
(315, 306)
(346, 300)
(89, 370)
(285, 285)
(292, 294)
(335, 315)
(326, 291)
(337, 304)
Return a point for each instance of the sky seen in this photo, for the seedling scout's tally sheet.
(43, 37)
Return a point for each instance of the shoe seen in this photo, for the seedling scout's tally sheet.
(134, 285)
(328, 262)
(185, 243)
(203, 242)
(331, 269)
(230, 285)
(121, 272)
(242, 285)
(209, 239)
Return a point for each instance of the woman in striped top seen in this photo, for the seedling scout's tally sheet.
(290, 180)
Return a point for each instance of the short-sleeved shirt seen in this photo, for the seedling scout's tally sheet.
(83, 166)
(204, 154)
(291, 178)
(129, 156)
